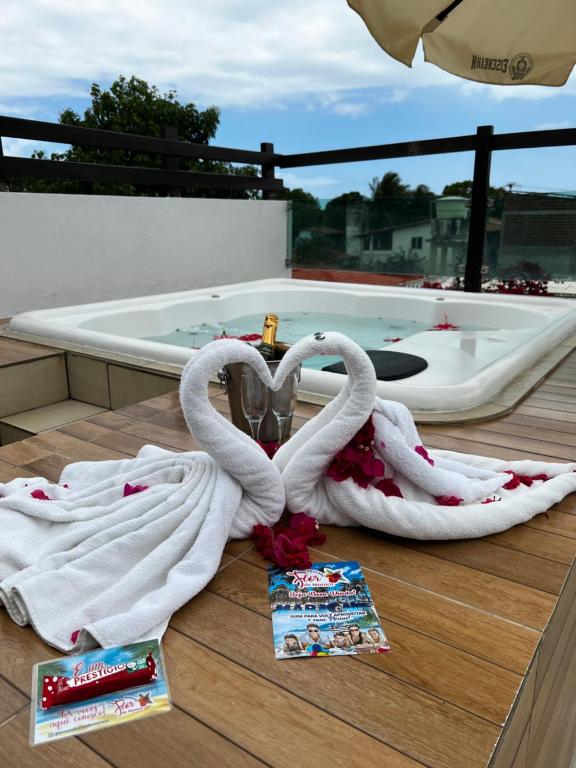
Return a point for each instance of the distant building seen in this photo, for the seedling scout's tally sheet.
(540, 229)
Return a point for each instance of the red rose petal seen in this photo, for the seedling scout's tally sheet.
(39, 494)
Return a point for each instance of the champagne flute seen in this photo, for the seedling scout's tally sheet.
(254, 400)
(283, 404)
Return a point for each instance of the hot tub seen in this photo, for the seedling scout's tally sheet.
(499, 336)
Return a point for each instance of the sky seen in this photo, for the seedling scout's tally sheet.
(303, 74)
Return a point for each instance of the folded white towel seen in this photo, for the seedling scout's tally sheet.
(91, 565)
(429, 491)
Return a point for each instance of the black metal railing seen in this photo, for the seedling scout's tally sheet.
(483, 143)
(168, 147)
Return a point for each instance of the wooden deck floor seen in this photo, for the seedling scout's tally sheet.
(471, 624)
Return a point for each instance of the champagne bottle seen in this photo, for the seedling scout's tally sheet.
(269, 330)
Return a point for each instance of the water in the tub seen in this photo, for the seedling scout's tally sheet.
(368, 332)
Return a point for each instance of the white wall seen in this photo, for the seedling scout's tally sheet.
(57, 250)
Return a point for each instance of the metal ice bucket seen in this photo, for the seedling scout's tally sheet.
(231, 380)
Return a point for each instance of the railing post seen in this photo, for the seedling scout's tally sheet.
(478, 209)
(3, 180)
(268, 171)
(170, 162)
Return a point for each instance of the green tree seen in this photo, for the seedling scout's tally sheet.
(306, 210)
(496, 195)
(335, 210)
(133, 106)
(393, 202)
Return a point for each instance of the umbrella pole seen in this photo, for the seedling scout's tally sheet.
(478, 209)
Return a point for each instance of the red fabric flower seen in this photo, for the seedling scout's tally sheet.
(250, 337)
(263, 538)
(74, 636)
(290, 553)
(445, 325)
(513, 483)
(394, 340)
(489, 501)
(357, 460)
(305, 527)
(39, 494)
(421, 451)
(449, 501)
(389, 488)
(130, 489)
(287, 546)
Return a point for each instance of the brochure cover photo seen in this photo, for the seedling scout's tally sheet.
(324, 610)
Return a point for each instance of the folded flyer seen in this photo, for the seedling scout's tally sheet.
(324, 610)
(73, 695)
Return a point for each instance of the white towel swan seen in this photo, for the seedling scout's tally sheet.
(429, 486)
(91, 565)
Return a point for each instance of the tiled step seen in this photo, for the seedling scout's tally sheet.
(31, 376)
(19, 426)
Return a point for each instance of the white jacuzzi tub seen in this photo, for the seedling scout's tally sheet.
(466, 368)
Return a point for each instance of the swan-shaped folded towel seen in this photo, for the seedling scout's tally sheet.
(425, 495)
(108, 559)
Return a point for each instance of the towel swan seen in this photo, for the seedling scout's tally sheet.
(441, 491)
(86, 564)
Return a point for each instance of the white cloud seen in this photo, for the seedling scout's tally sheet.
(251, 53)
(350, 109)
(15, 109)
(294, 181)
(553, 126)
(25, 147)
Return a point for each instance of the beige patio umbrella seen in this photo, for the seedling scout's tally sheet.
(506, 42)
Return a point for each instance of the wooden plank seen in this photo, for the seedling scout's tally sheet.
(21, 452)
(519, 439)
(462, 445)
(270, 722)
(175, 739)
(555, 522)
(11, 701)
(50, 467)
(520, 567)
(466, 681)
(16, 752)
(140, 411)
(416, 723)
(83, 430)
(171, 400)
(535, 542)
(493, 594)
(130, 444)
(538, 402)
(73, 448)
(548, 413)
(554, 396)
(154, 433)
(110, 420)
(10, 472)
(568, 505)
(532, 430)
(170, 419)
(479, 633)
(538, 422)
